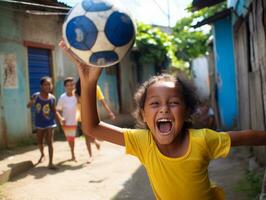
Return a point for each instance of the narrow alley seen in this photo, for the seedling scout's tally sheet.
(111, 175)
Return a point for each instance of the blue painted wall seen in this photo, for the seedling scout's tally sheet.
(225, 69)
(13, 99)
(240, 6)
(108, 84)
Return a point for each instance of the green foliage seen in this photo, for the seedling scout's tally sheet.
(152, 43)
(185, 44)
(192, 43)
(208, 11)
(251, 184)
(155, 46)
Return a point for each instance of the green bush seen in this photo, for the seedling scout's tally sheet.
(251, 184)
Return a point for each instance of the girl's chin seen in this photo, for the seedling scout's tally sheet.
(164, 142)
(164, 138)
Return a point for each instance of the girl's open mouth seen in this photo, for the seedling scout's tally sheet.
(164, 126)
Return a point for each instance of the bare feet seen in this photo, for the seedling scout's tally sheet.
(41, 159)
(90, 160)
(98, 146)
(73, 159)
(52, 166)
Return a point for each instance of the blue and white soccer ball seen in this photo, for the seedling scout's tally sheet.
(99, 33)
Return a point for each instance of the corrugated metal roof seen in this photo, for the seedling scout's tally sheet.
(33, 4)
(199, 4)
(47, 2)
(217, 16)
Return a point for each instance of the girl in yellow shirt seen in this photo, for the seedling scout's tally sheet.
(175, 156)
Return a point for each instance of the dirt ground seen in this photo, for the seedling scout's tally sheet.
(111, 175)
(104, 178)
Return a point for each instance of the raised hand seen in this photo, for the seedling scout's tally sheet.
(86, 73)
(69, 52)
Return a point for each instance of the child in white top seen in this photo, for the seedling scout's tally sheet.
(66, 108)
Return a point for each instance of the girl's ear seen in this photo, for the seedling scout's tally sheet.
(142, 115)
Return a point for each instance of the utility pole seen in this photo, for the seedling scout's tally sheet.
(168, 13)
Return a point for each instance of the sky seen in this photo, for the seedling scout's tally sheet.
(151, 11)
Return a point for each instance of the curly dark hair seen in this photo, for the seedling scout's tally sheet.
(45, 79)
(187, 88)
(68, 79)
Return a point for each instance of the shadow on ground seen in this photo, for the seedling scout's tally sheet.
(41, 171)
(29, 145)
(137, 188)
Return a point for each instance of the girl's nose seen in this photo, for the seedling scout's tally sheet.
(164, 109)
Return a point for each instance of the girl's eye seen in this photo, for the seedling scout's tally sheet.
(154, 103)
(174, 103)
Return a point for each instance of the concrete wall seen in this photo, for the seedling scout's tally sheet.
(201, 77)
(128, 83)
(16, 28)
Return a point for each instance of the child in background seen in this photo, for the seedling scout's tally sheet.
(66, 108)
(45, 113)
(204, 116)
(89, 139)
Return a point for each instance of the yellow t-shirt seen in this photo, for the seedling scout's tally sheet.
(186, 177)
(99, 96)
(99, 93)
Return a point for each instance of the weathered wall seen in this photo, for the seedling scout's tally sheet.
(128, 83)
(13, 62)
(201, 77)
(145, 72)
(16, 28)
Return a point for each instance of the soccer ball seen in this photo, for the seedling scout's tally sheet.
(99, 33)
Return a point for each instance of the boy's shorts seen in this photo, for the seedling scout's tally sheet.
(70, 132)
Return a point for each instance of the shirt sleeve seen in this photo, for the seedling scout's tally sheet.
(53, 100)
(99, 93)
(35, 95)
(218, 143)
(136, 142)
(59, 105)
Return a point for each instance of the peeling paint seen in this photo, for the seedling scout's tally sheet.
(3, 132)
(10, 72)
